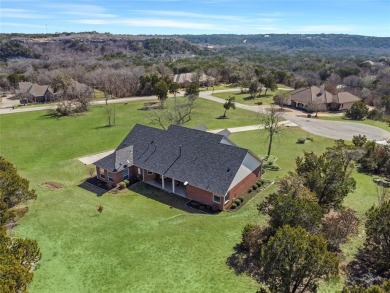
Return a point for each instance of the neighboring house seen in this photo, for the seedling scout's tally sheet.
(192, 163)
(30, 92)
(301, 97)
(184, 79)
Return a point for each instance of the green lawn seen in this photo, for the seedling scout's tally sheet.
(137, 244)
(246, 99)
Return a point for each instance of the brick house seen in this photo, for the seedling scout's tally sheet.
(195, 164)
(300, 98)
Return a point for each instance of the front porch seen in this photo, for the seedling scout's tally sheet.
(167, 184)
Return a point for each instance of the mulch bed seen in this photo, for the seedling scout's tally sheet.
(51, 185)
(201, 207)
(249, 195)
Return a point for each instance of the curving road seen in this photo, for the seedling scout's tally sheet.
(325, 128)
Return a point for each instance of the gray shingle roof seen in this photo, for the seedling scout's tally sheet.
(309, 94)
(181, 153)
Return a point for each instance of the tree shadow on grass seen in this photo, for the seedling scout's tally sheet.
(243, 262)
(103, 126)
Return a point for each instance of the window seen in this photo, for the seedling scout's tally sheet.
(150, 172)
(110, 176)
(216, 198)
(125, 173)
(227, 197)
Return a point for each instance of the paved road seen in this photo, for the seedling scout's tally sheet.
(325, 128)
(40, 108)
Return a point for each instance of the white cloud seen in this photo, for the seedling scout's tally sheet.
(189, 14)
(21, 13)
(28, 25)
(149, 22)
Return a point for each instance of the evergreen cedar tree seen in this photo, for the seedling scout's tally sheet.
(328, 175)
(378, 234)
(294, 260)
(17, 256)
(358, 111)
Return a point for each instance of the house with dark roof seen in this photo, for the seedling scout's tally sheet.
(32, 92)
(302, 97)
(195, 164)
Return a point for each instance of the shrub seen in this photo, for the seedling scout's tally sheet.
(301, 140)
(258, 184)
(121, 185)
(127, 182)
(241, 199)
(233, 206)
(359, 140)
(99, 208)
(308, 115)
(358, 111)
(254, 187)
(237, 202)
(376, 114)
(250, 190)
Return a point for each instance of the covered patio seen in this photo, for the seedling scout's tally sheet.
(168, 184)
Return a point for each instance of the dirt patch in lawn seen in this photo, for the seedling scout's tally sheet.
(51, 185)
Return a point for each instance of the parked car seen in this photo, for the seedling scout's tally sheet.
(3, 95)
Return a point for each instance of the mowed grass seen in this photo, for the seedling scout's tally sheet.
(137, 244)
(244, 98)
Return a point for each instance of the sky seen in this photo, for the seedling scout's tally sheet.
(360, 17)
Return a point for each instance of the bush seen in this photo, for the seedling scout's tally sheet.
(99, 208)
(376, 114)
(358, 111)
(250, 190)
(254, 187)
(127, 182)
(308, 115)
(237, 202)
(359, 140)
(233, 206)
(241, 199)
(301, 140)
(258, 184)
(122, 185)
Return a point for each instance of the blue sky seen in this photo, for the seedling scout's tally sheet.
(363, 17)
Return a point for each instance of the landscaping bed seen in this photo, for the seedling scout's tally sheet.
(259, 186)
(202, 207)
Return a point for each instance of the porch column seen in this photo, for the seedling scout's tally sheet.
(173, 185)
(162, 182)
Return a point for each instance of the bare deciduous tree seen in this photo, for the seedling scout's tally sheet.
(271, 120)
